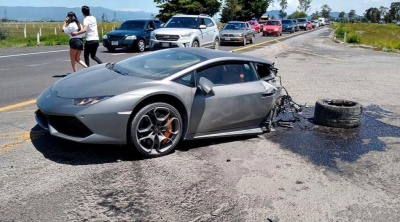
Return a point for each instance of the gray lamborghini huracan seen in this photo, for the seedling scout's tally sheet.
(154, 100)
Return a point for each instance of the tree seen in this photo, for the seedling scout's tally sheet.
(351, 14)
(247, 10)
(315, 15)
(304, 5)
(341, 15)
(395, 11)
(230, 10)
(372, 15)
(169, 8)
(325, 11)
(297, 14)
(283, 4)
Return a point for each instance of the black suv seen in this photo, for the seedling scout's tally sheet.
(132, 34)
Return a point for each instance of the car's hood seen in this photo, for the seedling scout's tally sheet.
(173, 31)
(125, 32)
(231, 32)
(287, 25)
(97, 81)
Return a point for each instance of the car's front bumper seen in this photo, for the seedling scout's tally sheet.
(231, 39)
(119, 43)
(105, 122)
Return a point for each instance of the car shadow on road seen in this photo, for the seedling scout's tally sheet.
(72, 153)
(68, 152)
(326, 145)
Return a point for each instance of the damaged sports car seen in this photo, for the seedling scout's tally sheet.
(154, 100)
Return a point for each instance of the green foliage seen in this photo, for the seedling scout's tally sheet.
(298, 14)
(354, 38)
(169, 8)
(377, 35)
(244, 10)
(3, 33)
(340, 30)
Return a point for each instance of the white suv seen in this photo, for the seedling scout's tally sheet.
(186, 31)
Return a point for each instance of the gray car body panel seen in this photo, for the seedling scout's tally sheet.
(227, 111)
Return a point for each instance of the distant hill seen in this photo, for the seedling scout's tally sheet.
(24, 14)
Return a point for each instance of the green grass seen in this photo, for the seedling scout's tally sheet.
(13, 34)
(381, 36)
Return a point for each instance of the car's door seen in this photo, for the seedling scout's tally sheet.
(249, 31)
(237, 100)
(209, 31)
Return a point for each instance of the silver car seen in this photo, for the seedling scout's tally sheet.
(237, 32)
(154, 100)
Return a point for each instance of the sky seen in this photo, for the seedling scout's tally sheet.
(149, 6)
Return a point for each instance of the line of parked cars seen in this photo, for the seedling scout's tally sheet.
(196, 31)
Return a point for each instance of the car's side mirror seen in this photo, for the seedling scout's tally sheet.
(206, 85)
(202, 27)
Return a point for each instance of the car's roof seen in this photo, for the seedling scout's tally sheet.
(213, 54)
(142, 19)
(191, 16)
(236, 22)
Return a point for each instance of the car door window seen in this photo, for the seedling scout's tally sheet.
(263, 70)
(209, 22)
(228, 73)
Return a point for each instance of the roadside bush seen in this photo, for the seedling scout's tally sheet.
(4, 33)
(354, 38)
(340, 30)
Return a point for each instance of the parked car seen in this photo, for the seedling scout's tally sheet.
(315, 23)
(132, 34)
(302, 23)
(187, 31)
(273, 27)
(296, 25)
(288, 26)
(237, 32)
(153, 101)
(256, 26)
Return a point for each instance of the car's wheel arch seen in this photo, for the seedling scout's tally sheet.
(165, 98)
(196, 40)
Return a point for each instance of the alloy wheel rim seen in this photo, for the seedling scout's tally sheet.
(141, 45)
(157, 130)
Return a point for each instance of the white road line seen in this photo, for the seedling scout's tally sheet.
(33, 53)
(38, 64)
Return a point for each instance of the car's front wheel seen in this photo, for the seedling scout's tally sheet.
(216, 44)
(156, 129)
(195, 44)
(141, 45)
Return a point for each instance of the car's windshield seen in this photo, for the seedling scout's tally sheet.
(156, 65)
(287, 22)
(301, 20)
(133, 25)
(182, 22)
(272, 22)
(235, 26)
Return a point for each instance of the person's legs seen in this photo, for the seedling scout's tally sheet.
(86, 53)
(78, 58)
(93, 46)
(72, 54)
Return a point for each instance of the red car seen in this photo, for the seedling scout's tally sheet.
(273, 27)
(255, 25)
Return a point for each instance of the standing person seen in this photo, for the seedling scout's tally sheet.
(92, 36)
(71, 25)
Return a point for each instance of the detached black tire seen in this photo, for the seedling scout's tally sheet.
(337, 113)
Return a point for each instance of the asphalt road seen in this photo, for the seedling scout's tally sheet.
(304, 173)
